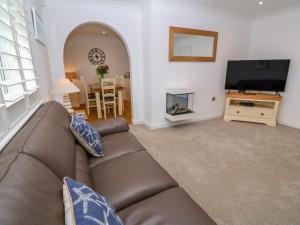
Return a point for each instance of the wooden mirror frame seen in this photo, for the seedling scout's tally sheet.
(179, 30)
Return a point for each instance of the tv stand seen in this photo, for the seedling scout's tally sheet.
(264, 108)
(247, 93)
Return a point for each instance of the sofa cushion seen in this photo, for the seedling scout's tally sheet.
(86, 135)
(57, 113)
(83, 206)
(82, 171)
(130, 178)
(30, 193)
(116, 145)
(49, 143)
(171, 207)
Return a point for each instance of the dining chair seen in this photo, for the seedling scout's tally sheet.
(120, 80)
(108, 86)
(90, 98)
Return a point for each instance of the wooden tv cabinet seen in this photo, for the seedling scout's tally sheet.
(257, 108)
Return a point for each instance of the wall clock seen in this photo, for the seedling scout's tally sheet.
(96, 56)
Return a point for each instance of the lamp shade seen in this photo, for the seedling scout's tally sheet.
(64, 86)
(71, 75)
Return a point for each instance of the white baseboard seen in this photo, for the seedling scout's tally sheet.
(289, 124)
(171, 124)
(202, 118)
(137, 122)
(148, 125)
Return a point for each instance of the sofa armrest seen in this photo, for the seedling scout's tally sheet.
(111, 126)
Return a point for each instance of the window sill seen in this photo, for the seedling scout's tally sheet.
(30, 92)
(9, 104)
(31, 79)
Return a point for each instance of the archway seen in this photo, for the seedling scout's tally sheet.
(110, 49)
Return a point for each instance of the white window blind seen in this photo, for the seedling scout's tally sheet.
(19, 90)
(17, 76)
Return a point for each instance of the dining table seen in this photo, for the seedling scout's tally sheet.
(96, 88)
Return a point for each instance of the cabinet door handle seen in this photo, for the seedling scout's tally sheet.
(237, 112)
(262, 114)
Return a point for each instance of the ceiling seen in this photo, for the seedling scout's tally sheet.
(94, 29)
(248, 7)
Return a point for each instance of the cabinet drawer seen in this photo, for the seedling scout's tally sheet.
(251, 112)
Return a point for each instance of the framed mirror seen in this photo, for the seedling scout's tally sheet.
(192, 45)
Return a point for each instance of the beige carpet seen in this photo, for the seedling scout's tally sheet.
(240, 173)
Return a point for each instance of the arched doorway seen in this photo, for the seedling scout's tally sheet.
(89, 45)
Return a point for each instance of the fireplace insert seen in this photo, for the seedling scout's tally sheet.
(178, 104)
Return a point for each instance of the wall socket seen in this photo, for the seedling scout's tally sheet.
(213, 99)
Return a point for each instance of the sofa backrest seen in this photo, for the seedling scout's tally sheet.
(47, 138)
(33, 165)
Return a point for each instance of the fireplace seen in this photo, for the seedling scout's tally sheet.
(178, 104)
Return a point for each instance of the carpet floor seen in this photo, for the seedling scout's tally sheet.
(239, 173)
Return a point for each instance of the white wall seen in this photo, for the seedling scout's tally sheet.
(277, 36)
(40, 57)
(76, 57)
(146, 11)
(207, 77)
(63, 16)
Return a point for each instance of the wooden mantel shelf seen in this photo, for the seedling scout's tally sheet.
(261, 97)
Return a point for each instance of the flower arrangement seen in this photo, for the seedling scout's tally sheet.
(101, 70)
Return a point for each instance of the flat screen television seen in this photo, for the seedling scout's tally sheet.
(257, 75)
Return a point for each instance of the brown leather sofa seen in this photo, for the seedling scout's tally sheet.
(44, 151)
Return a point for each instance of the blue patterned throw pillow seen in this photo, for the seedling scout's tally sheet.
(86, 135)
(83, 206)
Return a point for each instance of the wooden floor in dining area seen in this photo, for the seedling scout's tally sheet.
(93, 113)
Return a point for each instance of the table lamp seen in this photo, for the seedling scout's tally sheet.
(71, 76)
(63, 87)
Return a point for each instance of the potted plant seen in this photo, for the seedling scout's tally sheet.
(101, 70)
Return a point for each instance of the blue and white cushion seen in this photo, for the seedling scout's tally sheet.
(86, 135)
(83, 206)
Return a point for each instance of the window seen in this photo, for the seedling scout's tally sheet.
(17, 75)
